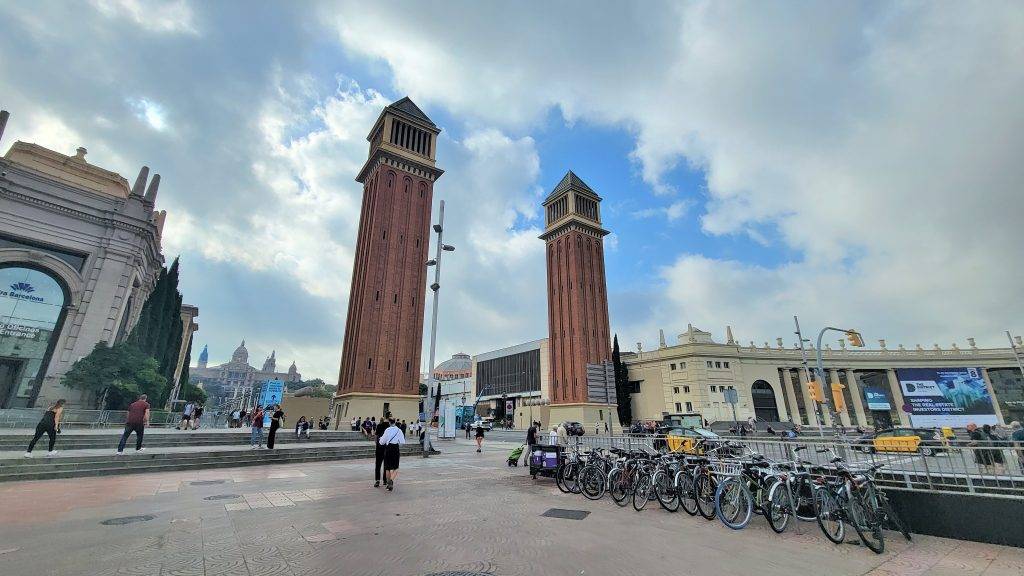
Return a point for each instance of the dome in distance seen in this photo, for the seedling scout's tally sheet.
(458, 366)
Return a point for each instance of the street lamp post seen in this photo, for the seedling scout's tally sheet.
(856, 340)
(428, 407)
(807, 372)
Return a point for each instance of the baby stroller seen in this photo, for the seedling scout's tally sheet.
(513, 456)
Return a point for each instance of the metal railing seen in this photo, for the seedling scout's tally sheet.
(76, 418)
(954, 467)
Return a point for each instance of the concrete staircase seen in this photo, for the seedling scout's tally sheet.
(164, 438)
(73, 466)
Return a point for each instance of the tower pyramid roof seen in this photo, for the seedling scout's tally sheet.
(409, 107)
(574, 182)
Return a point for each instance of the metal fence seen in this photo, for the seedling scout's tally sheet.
(956, 467)
(75, 418)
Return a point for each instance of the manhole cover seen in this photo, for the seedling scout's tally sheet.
(127, 520)
(222, 497)
(567, 514)
(207, 482)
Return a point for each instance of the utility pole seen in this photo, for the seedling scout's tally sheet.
(807, 373)
(428, 407)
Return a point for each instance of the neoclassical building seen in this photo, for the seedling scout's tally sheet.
(238, 375)
(79, 254)
(881, 386)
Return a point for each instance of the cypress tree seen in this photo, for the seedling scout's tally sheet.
(625, 409)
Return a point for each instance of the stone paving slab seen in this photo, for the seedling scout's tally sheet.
(458, 511)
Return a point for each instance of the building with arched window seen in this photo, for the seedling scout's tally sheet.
(79, 254)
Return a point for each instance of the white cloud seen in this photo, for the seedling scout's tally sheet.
(165, 16)
(858, 138)
(150, 112)
(673, 212)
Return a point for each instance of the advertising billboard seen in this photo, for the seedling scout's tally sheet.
(271, 393)
(946, 396)
(876, 398)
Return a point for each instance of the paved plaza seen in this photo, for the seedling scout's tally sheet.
(460, 511)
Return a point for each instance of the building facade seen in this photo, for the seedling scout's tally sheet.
(79, 255)
(384, 329)
(577, 297)
(514, 382)
(881, 387)
(232, 382)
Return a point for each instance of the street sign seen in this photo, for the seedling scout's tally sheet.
(601, 383)
(731, 396)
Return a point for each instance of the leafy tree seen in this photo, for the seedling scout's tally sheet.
(192, 393)
(159, 331)
(622, 387)
(117, 375)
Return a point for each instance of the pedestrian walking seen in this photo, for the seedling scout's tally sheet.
(995, 440)
(49, 424)
(378, 432)
(277, 418)
(404, 427)
(256, 434)
(138, 417)
(186, 416)
(1017, 436)
(531, 439)
(196, 415)
(392, 441)
(355, 424)
(563, 435)
(553, 436)
(468, 428)
(479, 436)
(244, 418)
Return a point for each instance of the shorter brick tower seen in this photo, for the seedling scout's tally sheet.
(577, 301)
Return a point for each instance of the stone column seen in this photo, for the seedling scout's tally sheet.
(809, 405)
(897, 396)
(858, 398)
(791, 406)
(992, 395)
(844, 416)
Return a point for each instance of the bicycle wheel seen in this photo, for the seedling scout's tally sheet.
(591, 482)
(778, 506)
(803, 506)
(704, 487)
(829, 515)
(734, 503)
(641, 492)
(618, 486)
(560, 477)
(892, 517)
(867, 523)
(665, 491)
(687, 496)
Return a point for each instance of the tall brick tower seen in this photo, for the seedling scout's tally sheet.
(380, 360)
(577, 299)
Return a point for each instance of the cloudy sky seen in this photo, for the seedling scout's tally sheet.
(855, 163)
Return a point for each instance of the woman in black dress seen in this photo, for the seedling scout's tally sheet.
(479, 436)
(49, 425)
(392, 441)
(276, 419)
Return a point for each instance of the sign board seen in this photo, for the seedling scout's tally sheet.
(510, 407)
(946, 396)
(731, 396)
(271, 393)
(876, 399)
(601, 383)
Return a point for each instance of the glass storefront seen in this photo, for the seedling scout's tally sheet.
(1008, 384)
(31, 303)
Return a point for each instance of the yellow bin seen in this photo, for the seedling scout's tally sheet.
(897, 444)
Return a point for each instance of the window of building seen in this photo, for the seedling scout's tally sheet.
(725, 364)
(718, 364)
(710, 365)
(714, 388)
(675, 389)
(634, 386)
(679, 407)
(686, 389)
(689, 406)
(672, 367)
(682, 365)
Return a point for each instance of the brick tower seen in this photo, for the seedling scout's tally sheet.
(577, 299)
(380, 360)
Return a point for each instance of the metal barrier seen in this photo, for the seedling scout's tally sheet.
(992, 470)
(74, 418)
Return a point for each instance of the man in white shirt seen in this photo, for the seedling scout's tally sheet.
(186, 415)
(553, 436)
(392, 440)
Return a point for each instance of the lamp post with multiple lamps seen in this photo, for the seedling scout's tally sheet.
(429, 401)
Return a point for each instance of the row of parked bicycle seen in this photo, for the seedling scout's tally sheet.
(733, 483)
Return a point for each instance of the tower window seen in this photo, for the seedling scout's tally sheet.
(389, 365)
(395, 301)
(385, 236)
(406, 365)
(369, 363)
(376, 296)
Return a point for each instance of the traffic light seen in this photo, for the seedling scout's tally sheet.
(855, 339)
(815, 392)
(838, 401)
